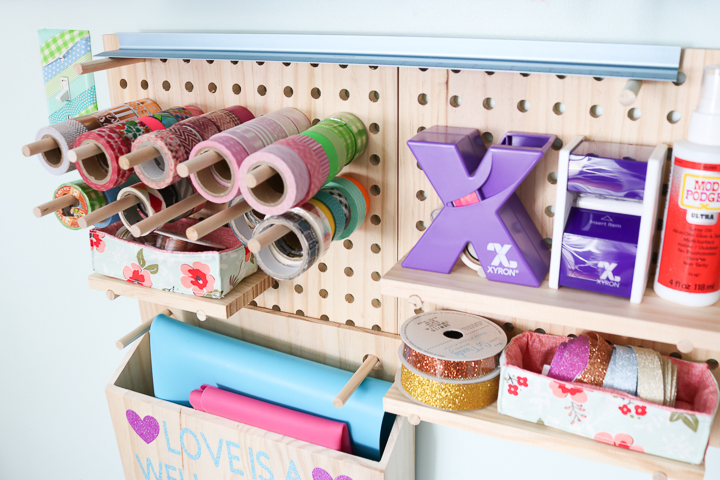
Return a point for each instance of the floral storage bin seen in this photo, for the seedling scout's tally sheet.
(209, 274)
(609, 416)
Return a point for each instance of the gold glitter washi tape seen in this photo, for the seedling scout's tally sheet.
(651, 384)
(598, 361)
(451, 396)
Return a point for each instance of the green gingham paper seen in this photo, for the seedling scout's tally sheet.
(60, 43)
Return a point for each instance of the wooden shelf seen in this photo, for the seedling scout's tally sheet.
(488, 421)
(654, 319)
(223, 308)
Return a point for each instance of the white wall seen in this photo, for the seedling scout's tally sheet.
(57, 346)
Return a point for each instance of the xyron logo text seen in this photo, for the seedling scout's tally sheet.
(500, 264)
(607, 278)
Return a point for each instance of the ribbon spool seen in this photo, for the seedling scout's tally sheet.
(570, 360)
(622, 372)
(452, 345)
(88, 200)
(598, 361)
(302, 236)
(651, 382)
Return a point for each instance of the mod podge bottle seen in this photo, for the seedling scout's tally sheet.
(689, 261)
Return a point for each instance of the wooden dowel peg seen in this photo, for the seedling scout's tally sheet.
(414, 419)
(415, 301)
(138, 331)
(146, 226)
(111, 295)
(137, 157)
(83, 152)
(659, 476)
(629, 93)
(41, 146)
(202, 316)
(685, 346)
(211, 224)
(107, 211)
(259, 175)
(104, 64)
(195, 164)
(265, 238)
(370, 362)
(55, 205)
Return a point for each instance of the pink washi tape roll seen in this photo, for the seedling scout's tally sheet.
(298, 118)
(268, 129)
(242, 113)
(317, 178)
(172, 146)
(193, 109)
(223, 119)
(202, 125)
(285, 123)
(250, 141)
(233, 155)
(284, 190)
(322, 158)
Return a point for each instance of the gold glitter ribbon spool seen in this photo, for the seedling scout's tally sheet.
(651, 384)
(454, 396)
(598, 361)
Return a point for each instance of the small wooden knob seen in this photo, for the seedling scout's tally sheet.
(414, 419)
(111, 295)
(415, 301)
(201, 315)
(685, 346)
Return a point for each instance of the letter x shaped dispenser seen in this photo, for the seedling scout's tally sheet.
(477, 187)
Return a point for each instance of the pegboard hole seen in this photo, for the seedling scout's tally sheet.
(287, 64)
(539, 330)
(275, 285)
(674, 117)
(349, 323)
(144, 84)
(374, 128)
(376, 303)
(349, 298)
(375, 220)
(557, 144)
(455, 101)
(343, 66)
(344, 94)
(348, 244)
(260, 63)
(348, 272)
(298, 289)
(374, 190)
(420, 129)
(375, 248)
(489, 103)
(680, 79)
(421, 195)
(236, 89)
(186, 60)
(166, 86)
(373, 67)
(712, 364)
(315, 93)
(323, 293)
(523, 106)
(299, 313)
(210, 62)
(252, 303)
(561, 77)
(423, 69)
(288, 91)
(376, 328)
(634, 114)
(315, 121)
(559, 108)
(548, 242)
(262, 90)
(314, 65)
(490, 73)
(234, 62)
(163, 60)
(212, 88)
(550, 211)
(455, 71)
(677, 355)
(508, 327)
(572, 335)
(420, 225)
(598, 79)
(423, 99)
(375, 276)
(525, 75)
(488, 137)
(596, 111)
(276, 308)
(322, 267)
(123, 83)
(374, 160)
(325, 318)
(189, 86)
(374, 96)
(552, 178)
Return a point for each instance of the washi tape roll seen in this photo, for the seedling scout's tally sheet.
(102, 172)
(336, 211)
(353, 193)
(223, 119)
(345, 134)
(151, 202)
(328, 215)
(339, 145)
(281, 192)
(88, 200)
(322, 160)
(358, 129)
(143, 107)
(203, 126)
(452, 345)
(233, 155)
(287, 125)
(317, 218)
(172, 147)
(298, 118)
(302, 235)
(240, 112)
(244, 225)
(111, 196)
(330, 153)
(344, 204)
(269, 130)
(122, 112)
(130, 130)
(363, 191)
(248, 139)
(316, 172)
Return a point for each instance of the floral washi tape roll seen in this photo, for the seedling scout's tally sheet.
(88, 200)
(171, 147)
(102, 171)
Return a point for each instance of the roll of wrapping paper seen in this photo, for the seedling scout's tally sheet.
(88, 199)
(267, 375)
(357, 199)
(67, 132)
(303, 236)
(102, 172)
(284, 421)
(452, 345)
(336, 211)
(111, 196)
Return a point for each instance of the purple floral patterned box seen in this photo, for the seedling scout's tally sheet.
(204, 274)
(609, 416)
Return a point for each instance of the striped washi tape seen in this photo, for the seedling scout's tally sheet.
(358, 129)
(335, 209)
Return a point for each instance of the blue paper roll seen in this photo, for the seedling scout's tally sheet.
(185, 357)
(111, 196)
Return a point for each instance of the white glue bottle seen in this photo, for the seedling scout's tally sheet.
(689, 261)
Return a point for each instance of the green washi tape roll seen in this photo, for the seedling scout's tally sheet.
(335, 210)
(345, 134)
(357, 127)
(330, 151)
(337, 142)
(88, 200)
(355, 199)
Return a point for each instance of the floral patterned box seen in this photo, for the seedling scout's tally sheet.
(204, 274)
(609, 416)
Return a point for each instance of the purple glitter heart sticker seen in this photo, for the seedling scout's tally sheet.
(147, 428)
(321, 474)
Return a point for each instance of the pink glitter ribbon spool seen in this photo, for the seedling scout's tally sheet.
(267, 198)
(570, 360)
(233, 157)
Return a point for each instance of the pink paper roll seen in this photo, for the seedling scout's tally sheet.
(273, 197)
(284, 421)
(205, 182)
(297, 117)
